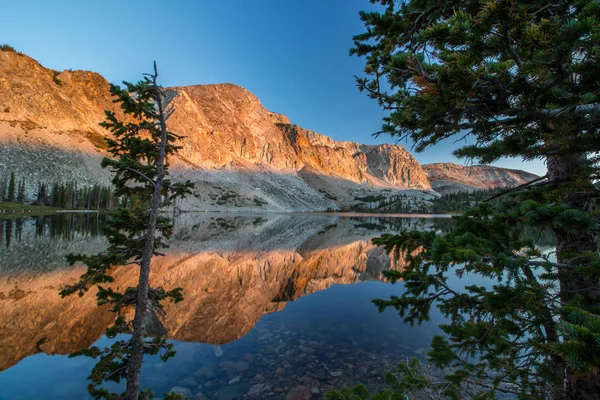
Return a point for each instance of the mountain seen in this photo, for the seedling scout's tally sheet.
(239, 154)
(450, 177)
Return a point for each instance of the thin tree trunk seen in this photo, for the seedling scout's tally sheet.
(141, 306)
(563, 169)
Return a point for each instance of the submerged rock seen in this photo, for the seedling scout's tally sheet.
(239, 366)
(257, 389)
(322, 374)
(232, 392)
(299, 393)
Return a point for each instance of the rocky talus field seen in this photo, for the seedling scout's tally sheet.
(240, 155)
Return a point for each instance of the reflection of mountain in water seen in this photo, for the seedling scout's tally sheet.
(233, 270)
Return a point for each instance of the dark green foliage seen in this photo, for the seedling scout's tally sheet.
(508, 318)
(370, 198)
(69, 196)
(64, 195)
(397, 203)
(484, 69)
(328, 195)
(259, 202)
(518, 79)
(113, 362)
(136, 151)
(461, 201)
(98, 140)
(3, 189)
(10, 194)
(21, 194)
(6, 47)
(411, 380)
(225, 197)
(328, 227)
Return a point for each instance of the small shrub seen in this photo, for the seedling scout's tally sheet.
(224, 224)
(327, 195)
(259, 202)
(7, 47)
(324, 230)
(97, 139)
(224, 198)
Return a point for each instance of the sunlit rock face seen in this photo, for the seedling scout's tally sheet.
(450, 178)
(232, 270)
(239, 154)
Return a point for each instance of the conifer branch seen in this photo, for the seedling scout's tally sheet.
(140, 174)
(517, 188)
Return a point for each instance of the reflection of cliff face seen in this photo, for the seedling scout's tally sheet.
(232, 271)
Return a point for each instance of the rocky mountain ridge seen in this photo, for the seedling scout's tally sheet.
(239, 155)
(450, 177)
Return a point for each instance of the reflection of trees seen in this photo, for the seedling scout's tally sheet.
(382, 224)
(8, 232)
(56, 227)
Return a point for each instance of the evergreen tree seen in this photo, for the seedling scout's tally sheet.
(41, 197)
(3, 187)
(520, 80)
(140, 151)
(21, 195)
(10, 194)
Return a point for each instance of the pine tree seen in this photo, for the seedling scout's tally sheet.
(140, 151)
(3, 188)
(41, 197)
(10, 194)
(520, 80)
(21, 195)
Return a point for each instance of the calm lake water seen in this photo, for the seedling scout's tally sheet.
(272, 302)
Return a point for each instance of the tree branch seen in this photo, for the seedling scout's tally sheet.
(516, 188)
(139, 173)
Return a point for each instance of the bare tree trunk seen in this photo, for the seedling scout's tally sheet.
(563, 169)
(141, 306)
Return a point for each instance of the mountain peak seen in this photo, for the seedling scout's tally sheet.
(239, 154)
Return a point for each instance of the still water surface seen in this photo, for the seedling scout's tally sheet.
(272, 302)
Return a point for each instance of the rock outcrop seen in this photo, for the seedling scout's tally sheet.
(450, 177)
(239, 154)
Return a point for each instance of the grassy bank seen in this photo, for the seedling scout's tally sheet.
(11, 210)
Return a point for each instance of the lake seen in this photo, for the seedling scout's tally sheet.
(273, 302)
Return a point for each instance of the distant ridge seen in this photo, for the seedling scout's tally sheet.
(450, 177)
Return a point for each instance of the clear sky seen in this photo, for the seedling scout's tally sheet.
(293, 55)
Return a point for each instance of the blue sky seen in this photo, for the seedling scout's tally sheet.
(293, 55)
